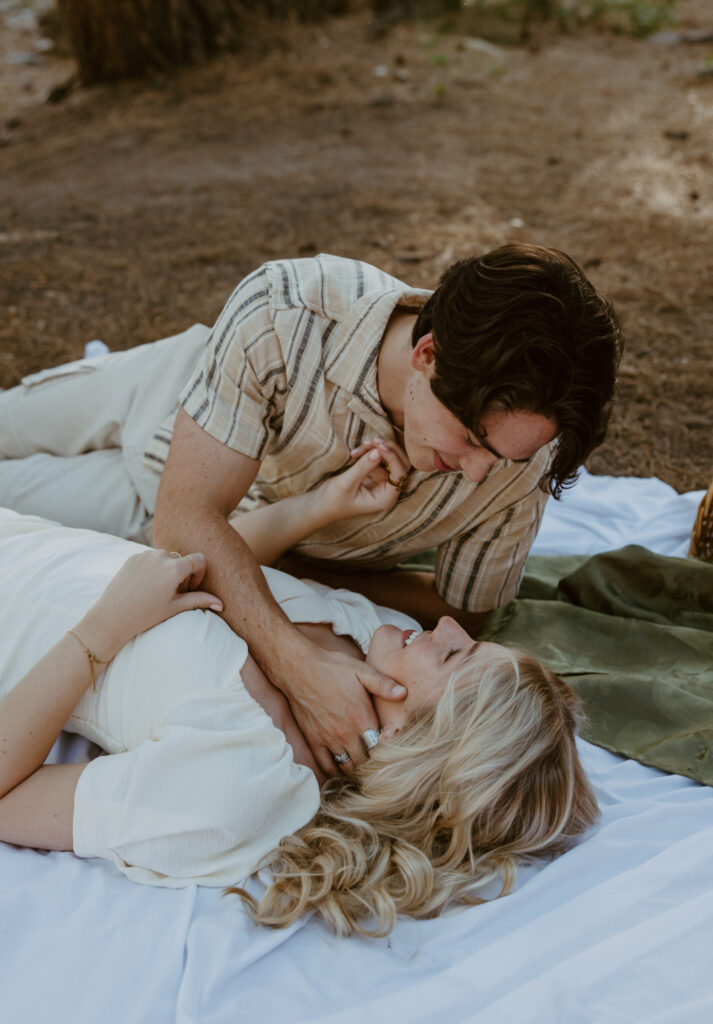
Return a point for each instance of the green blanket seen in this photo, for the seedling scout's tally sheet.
(632, 633)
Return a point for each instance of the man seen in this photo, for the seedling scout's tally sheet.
(311, 358)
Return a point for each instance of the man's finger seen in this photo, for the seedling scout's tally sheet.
(381, 686)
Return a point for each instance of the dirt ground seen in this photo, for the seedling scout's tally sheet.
(128, 213)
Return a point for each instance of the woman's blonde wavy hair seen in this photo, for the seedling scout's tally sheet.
(465, 790)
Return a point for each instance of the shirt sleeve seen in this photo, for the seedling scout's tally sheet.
(237, 389)
(201, 801)
(481, 568)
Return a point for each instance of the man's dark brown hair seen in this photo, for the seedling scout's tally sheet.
(521, 329)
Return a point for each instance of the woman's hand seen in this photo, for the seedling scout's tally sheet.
(149, 588)
(371, 485)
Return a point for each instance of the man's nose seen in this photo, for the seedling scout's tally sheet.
(476, 463)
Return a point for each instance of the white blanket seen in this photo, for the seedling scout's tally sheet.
(619, 929)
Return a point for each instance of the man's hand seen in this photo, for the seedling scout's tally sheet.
(202, 483)
(331, 705)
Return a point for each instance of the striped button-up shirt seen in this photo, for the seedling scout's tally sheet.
(288, 377)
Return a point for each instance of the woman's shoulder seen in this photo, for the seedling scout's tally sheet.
(349, 614)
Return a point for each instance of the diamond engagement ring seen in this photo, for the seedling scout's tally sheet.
(370, 738)
(341, 758)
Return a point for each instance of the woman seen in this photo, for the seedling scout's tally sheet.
(207, 771)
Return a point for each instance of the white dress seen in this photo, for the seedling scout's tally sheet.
(200, 784)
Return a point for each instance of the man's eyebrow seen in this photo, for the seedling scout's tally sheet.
(480, 438)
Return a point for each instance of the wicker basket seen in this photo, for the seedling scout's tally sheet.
(702, 536)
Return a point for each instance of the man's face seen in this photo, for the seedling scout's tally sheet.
(436, 440)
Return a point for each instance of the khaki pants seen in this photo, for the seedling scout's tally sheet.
(72, 438)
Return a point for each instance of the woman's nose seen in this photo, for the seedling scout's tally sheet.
(448, 631)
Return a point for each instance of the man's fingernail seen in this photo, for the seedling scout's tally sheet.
(398, 690)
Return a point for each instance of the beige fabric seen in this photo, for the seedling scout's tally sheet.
(289, 377)
(72, 438)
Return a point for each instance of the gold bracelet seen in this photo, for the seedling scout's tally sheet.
(91, 658)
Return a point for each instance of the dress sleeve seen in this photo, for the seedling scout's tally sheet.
(481, 569)
(237, 390)
(201, 802)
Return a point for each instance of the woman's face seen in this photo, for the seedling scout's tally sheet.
(423, 662)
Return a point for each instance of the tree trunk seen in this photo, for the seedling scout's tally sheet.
(115, 39)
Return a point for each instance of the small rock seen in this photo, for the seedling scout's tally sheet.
(44, 45)
(517, 222)
(24, 59)
(698, 35)
(24, 20)
(666, 38)
(402, 75)
(483, 46)
(384, 100)
(380, 71)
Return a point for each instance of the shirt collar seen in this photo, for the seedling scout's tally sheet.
(354, 348)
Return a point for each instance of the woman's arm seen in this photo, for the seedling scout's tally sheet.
(365, 488)
(36, 805)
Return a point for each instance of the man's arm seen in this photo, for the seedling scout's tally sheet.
(202, 483)
(411, 592)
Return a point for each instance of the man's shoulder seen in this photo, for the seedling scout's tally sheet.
(327, 285)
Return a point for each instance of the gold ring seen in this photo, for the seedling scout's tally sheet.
(175, 554)
(399, 484)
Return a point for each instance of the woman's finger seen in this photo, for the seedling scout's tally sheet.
(192, 600)
(366, 464)
(191, 569)
(392, 456)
